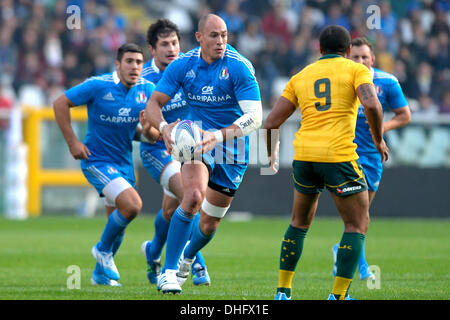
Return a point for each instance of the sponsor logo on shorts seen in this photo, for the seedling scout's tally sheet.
(164, 153)
(348, 189)
(111, 170)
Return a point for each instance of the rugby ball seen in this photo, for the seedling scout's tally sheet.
(186, 136)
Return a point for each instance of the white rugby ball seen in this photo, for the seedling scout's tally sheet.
(186, 136)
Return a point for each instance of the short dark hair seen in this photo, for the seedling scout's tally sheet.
(334, 39)
(362, 41)
(128, 47)
(162, 27)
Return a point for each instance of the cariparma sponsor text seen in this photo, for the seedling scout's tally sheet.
(118, 119)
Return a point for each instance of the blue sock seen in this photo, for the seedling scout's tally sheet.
(160, 236)
(199, 260)
(115, 246)
(98, 269)
(362, 259)
(178, 235)
(198, 241)
(116, 224)
(117, 242)
(198, 257)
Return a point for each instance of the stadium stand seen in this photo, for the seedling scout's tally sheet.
(41, 56)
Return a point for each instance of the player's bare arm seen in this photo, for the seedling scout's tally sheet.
(282, 110)
(61, 108)
(154, 115)
(374, 114)
(402, 117)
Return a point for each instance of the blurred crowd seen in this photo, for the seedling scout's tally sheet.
(41, 56)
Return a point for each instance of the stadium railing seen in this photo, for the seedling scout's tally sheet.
(38, 177)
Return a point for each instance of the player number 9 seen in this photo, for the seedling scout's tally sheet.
(325, 93)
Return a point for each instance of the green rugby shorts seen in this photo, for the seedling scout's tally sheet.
(341, 178)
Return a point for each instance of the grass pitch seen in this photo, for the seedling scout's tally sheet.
(413, 257)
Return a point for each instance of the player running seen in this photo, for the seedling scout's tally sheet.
(220, 86)
(114, 103)
(163, 38)
(326, 92)
(391, 97)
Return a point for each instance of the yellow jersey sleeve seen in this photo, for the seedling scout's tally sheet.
(289, 93)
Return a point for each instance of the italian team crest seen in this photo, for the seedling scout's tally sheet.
(224, 75)
(378, 89)
(141, 98)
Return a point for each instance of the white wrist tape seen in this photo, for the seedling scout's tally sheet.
(162, 125)
(251, 120)
(219, 135)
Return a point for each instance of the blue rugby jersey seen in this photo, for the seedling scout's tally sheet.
(113, 114)
(390, 95)
(175, 108)
(212, 90)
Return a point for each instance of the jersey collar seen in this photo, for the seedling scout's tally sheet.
(115, 77)
(117, 81)
(154, 66)
(372, 72)
(329, 56)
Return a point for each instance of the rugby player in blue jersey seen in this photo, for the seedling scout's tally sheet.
(391, 98)
(114, 102)
(220, 86)
(163, 38)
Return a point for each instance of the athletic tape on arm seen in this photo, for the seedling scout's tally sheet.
(251, 120)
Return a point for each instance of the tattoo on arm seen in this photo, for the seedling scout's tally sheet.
(366, 91)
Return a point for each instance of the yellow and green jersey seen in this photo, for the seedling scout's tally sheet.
(325, 92)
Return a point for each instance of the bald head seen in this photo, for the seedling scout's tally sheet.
(207, 20)
(213, 36)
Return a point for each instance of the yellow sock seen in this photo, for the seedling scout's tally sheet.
(340, 287)
(285, 279)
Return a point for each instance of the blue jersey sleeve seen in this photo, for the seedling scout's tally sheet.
(172, 78)
(244, 82)
(395, 97)
(82, 93)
